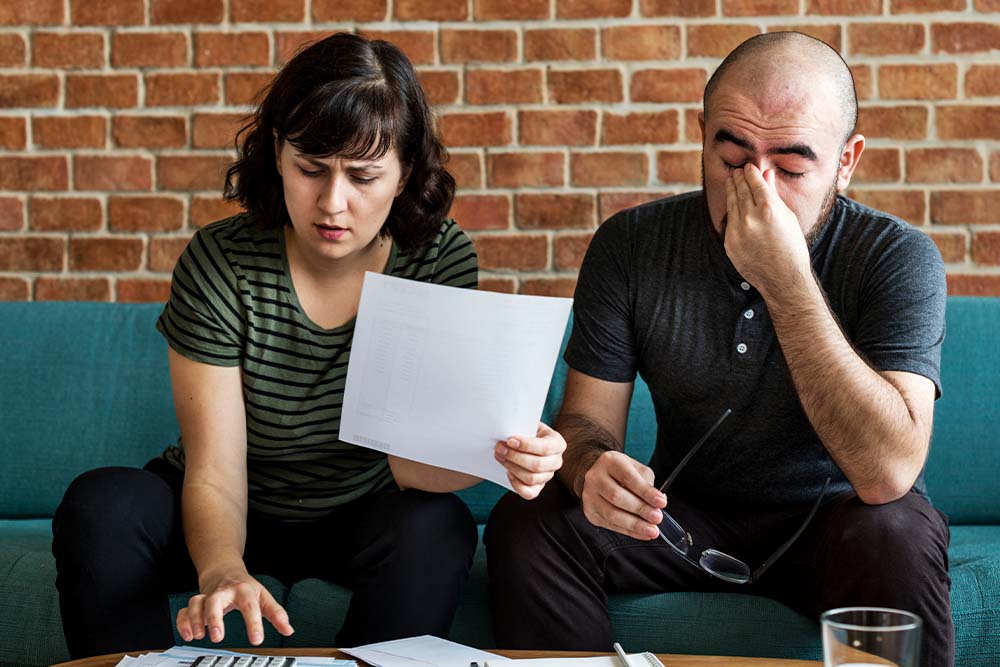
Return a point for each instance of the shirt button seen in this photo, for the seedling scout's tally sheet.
(741, 348)
(748, 314)
(745, 286)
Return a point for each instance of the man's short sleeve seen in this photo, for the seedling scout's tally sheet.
(902, 308)
(602, 342)
(204, 320)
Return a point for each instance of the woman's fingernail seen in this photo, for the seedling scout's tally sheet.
(513, 443)
(256, 638)
(216, 634)
(502, 451)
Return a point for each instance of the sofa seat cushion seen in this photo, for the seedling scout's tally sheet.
(974, 565)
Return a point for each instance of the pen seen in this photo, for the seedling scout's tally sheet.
(621, 654)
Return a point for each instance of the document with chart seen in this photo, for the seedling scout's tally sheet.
(439, 374)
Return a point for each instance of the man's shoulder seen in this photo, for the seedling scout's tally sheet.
(879, 229)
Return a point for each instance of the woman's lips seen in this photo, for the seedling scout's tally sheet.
(330, 233)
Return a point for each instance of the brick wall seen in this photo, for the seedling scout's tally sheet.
(116, 118)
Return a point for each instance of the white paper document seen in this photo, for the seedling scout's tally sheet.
(439, 374)
(183, 656)
(424, 651)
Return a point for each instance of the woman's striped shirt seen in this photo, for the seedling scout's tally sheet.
(232, 303)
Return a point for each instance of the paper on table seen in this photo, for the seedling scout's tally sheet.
(421, 652)
(635, 660)
(439, 374)
(183, 656)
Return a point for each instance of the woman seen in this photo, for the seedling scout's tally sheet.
(340, 173)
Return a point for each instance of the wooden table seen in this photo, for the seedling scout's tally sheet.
(668, 659)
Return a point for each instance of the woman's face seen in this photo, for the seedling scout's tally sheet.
(337, 206)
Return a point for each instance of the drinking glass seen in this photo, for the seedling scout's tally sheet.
(869, 636)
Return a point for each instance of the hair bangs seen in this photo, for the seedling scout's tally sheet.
(356, 122)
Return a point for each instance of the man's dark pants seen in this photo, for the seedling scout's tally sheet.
(551, 570)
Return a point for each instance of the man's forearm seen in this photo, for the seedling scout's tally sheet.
(585, 442)
(861, 418)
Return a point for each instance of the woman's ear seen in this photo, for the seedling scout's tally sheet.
(403, 176)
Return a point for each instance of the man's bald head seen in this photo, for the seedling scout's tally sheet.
(765, 62)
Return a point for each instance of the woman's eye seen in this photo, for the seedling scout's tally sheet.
(364, 180)
(310, 173)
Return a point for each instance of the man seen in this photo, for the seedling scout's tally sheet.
(816, 320)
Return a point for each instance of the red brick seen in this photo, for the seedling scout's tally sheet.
(533, 170)
(968, 122)
(864, 81)
(641, 42)
(678, 166)
(467, 169)
(512, 251)
(475, 129)
(557, 128)
(608, 168)
(878, 165)
(14, 289)
(561, 287)
(717, 40)
(965, 37)
(118, 91)
(216, 130)
(205, 210)
(516, 10)
(909, 205)
(668, 85)
(66, 214)
(287, 43)
(677, 7)
(33, 173)
(143, 290)
(609, 203)
(481, 211)
(522, 86)
(72, 289)
(918, 82)
(986, 248)
(11, 214)
(953, 245)
(983, 81)
(973, 285)
(759, 7)
(28, 90)
(555, 211)
(145, 214)
(267, 11)
(440, 86)
(925, 6)
(181, 89)
(879, 39)
(844, 7)
(242, 88)
(502, 285)
(417, 45)
(828, 33)
(988, 6)
(588, 9)
(149, 131)
(641, 127)
(149, 49)
(995, 166)
(943, 165)
(13, 133)
(164, 251)
(460, 46)
(570, 249)
(904, 122)
(231, 48)
(105, 254)
(32, 253)
(191, 172)
(957, 207)
(107, 12)
(13, 50)
(31, 12)
(560, 44)
(76, 50)
(587, 85)
(335, 11)
(186, 11)
(431, 10)
(102, 172)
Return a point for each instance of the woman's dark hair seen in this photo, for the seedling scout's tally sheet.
(354, 98)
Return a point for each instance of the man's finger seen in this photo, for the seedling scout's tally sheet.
(759, 187)
(732, 201)
(743, 192)
(623, 522)
(629, 477)
(625, 499)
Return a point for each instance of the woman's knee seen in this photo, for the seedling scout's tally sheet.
(439, 524)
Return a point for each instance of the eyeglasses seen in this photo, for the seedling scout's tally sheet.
(714, 562)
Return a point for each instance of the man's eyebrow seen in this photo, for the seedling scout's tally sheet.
(795, 149)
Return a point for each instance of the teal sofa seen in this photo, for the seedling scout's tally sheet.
(86, 384)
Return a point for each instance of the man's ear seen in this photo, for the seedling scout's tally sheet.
(277, 152)
(701, 124)
(849, 159)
